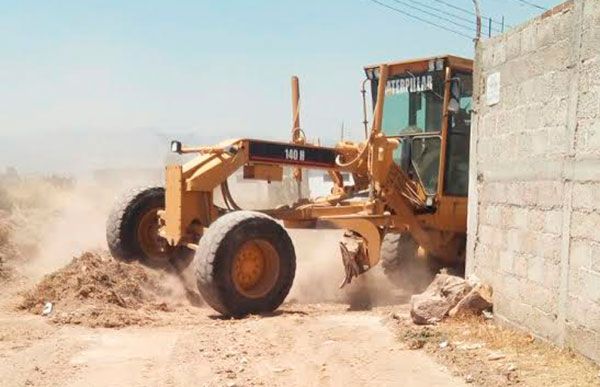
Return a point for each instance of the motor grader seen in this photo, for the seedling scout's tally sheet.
(407, 197)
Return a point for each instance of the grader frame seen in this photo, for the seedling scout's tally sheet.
(408, 191)
(394, 201)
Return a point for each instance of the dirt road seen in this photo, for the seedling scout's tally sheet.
(315, 344)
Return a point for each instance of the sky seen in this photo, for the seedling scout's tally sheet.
(105, 84)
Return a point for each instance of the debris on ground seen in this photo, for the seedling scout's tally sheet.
(478, 299)
(438, 299)
(486, 354)
(96, 290)
(496, 356)
(47, 309)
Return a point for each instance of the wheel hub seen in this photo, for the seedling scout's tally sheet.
(149, 240)
(255, 268)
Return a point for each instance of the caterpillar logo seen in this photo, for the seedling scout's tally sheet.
(409, 85)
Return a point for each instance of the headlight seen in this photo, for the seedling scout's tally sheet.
(175, 146)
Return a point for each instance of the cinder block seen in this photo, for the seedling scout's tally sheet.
(585, 225)
(528, 39)
(588, 105)
(550, 193)
(506, 261)
(586, 195)
(583, 339)
(549, 247)
(592, 316)
(557, 142)
(588, 76)
(575, 288)
(595, 256)
(577, 310)
(555, 110)
(590, 42)
(491, 215)
(591, 285)
(514, 239)
(544, 324)
(520, 265)
(536, 270)
(588, 138)
(580, 255)
(553, 221)
(521, 218)
(552, 276)
(509, 287)
(513, 45)
(536, 220)
(546, 33)
(498, 54)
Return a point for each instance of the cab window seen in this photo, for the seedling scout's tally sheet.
(456, 182)
(413, 104)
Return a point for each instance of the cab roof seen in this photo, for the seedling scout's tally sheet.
(452, 60)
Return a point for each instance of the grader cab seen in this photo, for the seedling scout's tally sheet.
(408, 195)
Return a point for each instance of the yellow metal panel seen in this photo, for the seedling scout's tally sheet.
(263, 172)
(172, 215)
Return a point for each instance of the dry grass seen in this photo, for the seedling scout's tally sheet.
(488, 354)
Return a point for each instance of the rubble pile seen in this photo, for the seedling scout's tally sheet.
(96, 290)
(451, 296)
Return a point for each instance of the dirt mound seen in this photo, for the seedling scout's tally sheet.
(96, 290)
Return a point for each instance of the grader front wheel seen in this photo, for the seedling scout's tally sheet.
(245, 264)
(132, 230)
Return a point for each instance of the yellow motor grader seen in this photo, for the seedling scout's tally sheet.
(408, 193)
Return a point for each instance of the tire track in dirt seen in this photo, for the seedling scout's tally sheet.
(318, 344)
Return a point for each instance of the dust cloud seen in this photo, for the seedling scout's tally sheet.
(70, 221)
(319, 273)
(77, 221)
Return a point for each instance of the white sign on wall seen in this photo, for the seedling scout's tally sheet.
(492, 89)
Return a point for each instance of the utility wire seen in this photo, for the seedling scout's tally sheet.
(459, 17)
(421, 19)
(532, 5)
(469, 28)
(470, 20)
(468, 11)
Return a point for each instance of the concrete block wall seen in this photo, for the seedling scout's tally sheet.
(534, 209)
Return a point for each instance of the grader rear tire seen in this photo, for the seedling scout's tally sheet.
(401, 264)
(245, 264)
(132, 230)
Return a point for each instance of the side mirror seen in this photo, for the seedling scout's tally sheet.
(454, 103)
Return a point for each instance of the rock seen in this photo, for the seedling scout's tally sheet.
(469, 379)
(512, 367)
(496, 356)
(474, 303)
(428, 309)
(443, 344)
(487, 315)
(438, 299)
(470, 347)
